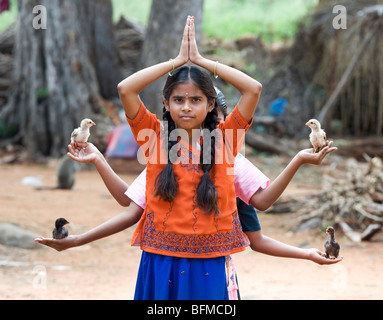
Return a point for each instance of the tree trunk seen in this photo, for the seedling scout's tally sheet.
(61, 73)
(163, 39)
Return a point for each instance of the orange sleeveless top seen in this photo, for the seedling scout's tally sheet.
(180, 228)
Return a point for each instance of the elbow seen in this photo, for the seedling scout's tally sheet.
(124, 202)
(257, 88)
(263, 207)
(260, 204)
(120, 88)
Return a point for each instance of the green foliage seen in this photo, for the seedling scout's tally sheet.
(7, 131)
(226, 19)
(42, 93)
(231, 19)
(273, 20)
(8, 17)
(137, 9)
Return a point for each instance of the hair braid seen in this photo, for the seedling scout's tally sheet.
(166, 185)
(207, 196)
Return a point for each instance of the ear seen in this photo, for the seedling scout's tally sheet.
(211, 106)
(166, 105)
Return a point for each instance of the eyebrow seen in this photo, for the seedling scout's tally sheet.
(189, 97)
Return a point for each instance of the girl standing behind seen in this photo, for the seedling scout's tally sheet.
(190, 224)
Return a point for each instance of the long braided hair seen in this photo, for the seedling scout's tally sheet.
(166, 185)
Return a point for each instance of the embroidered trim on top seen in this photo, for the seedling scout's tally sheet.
(193, 244)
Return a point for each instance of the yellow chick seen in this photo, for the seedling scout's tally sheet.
(317, 136)
(81, 134)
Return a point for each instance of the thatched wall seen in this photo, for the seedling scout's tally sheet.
(335, 75)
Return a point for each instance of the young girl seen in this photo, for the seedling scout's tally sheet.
(190, 223)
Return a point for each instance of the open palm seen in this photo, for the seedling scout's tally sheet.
(308, 155)
(86, 153)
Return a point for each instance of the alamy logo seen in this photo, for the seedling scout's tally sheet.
(340, 20)
(40, 19)
(226, 145)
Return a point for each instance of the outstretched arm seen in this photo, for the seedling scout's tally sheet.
(249, 88)
(264, 198)
(270, 246)
(116, 224)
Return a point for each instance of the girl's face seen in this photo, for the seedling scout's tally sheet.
(188, 106)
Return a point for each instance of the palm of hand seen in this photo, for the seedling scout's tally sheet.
(320, 257)
(83, 155)
(189, 50)
(86, 155)
(308, 155)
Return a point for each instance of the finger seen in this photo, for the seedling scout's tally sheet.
(332, 150)
(82, 145)
(72, 156)
(73, 151)
(39, 239)
(43, 241)
(186, 31)
(333, 261)
(192, 29)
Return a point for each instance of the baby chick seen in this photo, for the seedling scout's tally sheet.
(60, 232)
(331, 246)
(81, 134)
(317, 136)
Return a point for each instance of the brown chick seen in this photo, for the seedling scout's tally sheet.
(317, 136)
(332, 247)
(82, 133)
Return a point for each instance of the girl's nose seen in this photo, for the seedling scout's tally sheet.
(186, 107)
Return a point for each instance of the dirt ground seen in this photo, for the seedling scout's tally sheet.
(107, 269)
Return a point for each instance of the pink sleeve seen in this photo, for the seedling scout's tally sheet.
(247, 178)
(136, 191)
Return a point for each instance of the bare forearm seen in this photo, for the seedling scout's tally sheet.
(116, 224)
(130, 88)
(116, 186)
(249, 88)
(241, 81)
(264, 198)
(272, 247)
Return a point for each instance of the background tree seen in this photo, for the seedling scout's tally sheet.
(62, 73)
(163, 38)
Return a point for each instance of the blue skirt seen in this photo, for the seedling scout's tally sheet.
(171, 278)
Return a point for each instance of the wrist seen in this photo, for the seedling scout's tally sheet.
(298, 160)
(98, 160)
(200, 61)
(80, 240)
(179, 61)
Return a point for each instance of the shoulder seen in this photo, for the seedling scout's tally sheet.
(235, 121)
(144, 120)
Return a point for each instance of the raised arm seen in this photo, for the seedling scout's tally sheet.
(130, 88)
(249, 88)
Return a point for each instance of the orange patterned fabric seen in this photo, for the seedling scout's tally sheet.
(180, 228)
